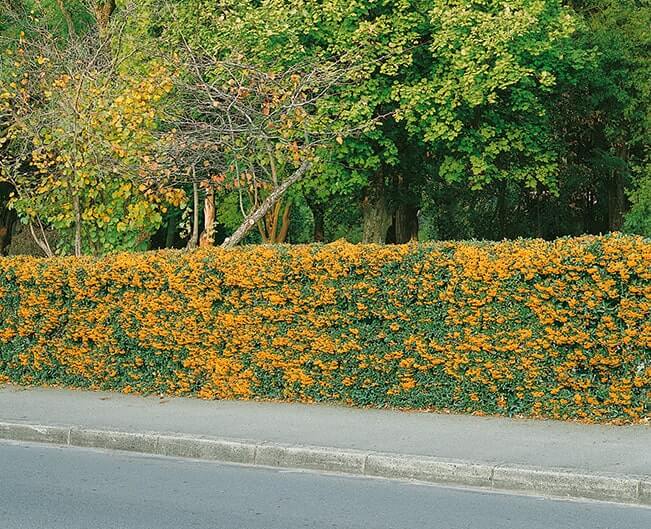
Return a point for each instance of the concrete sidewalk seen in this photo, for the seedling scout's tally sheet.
(546, 457)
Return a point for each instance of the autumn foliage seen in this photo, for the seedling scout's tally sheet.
(542, 329)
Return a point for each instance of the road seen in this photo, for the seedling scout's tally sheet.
(49, 487)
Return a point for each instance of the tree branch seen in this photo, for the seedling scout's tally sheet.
(274, 196)
(66, 15)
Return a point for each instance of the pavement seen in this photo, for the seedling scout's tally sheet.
(551, 458)
(49, 487)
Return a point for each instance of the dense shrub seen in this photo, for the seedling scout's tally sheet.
(545, 329)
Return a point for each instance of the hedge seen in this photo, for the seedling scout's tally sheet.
(541, 329)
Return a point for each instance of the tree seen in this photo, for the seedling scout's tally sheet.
(457, 89)
(83, 148)
(12, 23)
(284, 35)
(252, 123)
(613, 101)
(389, 119)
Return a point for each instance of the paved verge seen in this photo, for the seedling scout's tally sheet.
(543, 457)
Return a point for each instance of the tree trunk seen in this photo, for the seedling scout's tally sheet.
(208, 235)
(7, 218)
(194, 237)
(251, 220)
(377, 218)
(42, 241)
(6, 230)
(405, 224)
(284, 224)
(588, 214)
(103, 11)
(170, 232)
(318, 213)
(275, 225)
(501, 210)
(77, 211)
(66, 16)
(616, 194)
(616, 201)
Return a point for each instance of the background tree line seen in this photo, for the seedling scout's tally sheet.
(177, 123)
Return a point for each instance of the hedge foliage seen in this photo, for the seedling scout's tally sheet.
(543, 329)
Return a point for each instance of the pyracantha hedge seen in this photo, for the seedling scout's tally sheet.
(542, 329)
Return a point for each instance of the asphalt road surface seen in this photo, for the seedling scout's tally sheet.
(48, 487)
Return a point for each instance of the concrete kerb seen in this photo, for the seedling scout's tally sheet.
(35, 433)
(429, 469)
(624, 489)
(550, 482)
